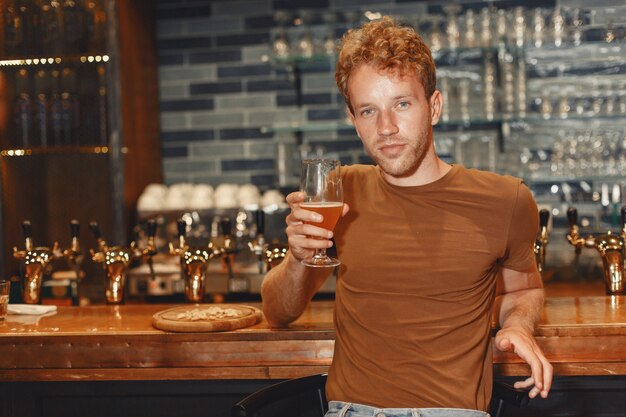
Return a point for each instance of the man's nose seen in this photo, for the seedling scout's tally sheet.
(387, 125)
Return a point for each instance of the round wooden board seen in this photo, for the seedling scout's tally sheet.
(170, 319)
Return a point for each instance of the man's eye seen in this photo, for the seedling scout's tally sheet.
(367, 112)
(403, 105)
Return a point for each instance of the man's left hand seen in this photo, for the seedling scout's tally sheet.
(520, 341)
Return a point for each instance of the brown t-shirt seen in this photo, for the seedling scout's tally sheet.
(417, 284)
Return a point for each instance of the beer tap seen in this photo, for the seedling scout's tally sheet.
(150, 250)
(542, 239)
(227, 252)
(194, 262)
(275, 253)
(228, 248)
(36, 262)
(116, 259)
(269, 254)
(609, 245)
(74, 257)
(258, 245)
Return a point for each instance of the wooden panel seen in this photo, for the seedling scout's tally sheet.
(140, 103)
(580, 336)
(166, 374)
(50, 190)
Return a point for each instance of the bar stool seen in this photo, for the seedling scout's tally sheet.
(306, 397)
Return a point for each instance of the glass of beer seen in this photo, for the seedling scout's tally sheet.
(323, 193)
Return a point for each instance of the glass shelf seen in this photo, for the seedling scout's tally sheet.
(586, 51)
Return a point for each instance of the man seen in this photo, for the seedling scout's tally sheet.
(422, 245)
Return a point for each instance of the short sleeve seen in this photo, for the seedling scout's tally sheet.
(522, 232)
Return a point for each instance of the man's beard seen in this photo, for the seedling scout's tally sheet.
(409, 161)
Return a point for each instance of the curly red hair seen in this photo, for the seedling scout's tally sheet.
(387, 45)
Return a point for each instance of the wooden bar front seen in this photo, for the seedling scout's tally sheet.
(581, 335)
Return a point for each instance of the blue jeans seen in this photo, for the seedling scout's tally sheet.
(341, 409)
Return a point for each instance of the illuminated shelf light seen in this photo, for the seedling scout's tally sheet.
(50, 60)
(58, 150)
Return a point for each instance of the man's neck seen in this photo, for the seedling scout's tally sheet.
(430, 170)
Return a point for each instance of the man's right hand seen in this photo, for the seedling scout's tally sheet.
(303, 237)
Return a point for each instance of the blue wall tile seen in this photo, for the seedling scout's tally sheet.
(181, 11)
(244, 39)
(259, 22)
(213, 88)
(187, 104)
(270, 85)
(170, 59)
(325, 114)
(215, 56)
(243, 70)
(263, 181)
(184, 43)
(244, 133)
(187, 136)
(300, 4)
(247, 164)
(174, 152)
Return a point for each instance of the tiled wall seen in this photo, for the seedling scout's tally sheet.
(218, 95)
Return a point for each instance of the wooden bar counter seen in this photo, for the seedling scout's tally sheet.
(581, 335)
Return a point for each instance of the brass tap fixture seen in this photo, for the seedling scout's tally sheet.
(542, 239)
(609, 245)
(259, 245)
(37, 262)
(269, 254)
(74, 257)
(194, 261)
(116, 259)
(274, 254)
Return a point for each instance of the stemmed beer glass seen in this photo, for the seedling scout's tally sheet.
(323, 193)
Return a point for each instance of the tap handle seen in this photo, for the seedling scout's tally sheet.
(95, 229)
(182, 227)
(260, 222)
(75, 228)
(152, 228)
(226, 225)
(572, 216)
(544, 216)
(27, 229)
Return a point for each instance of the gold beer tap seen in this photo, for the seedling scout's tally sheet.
(116, 259)
(227, 249)
(36, 261)
(194, 261)
(74, 257)
(609, 245)
(274, 254)
(269, 254)
(542, 239)
(258, 246)
(150, 250)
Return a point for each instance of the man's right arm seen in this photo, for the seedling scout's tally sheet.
(288, 288)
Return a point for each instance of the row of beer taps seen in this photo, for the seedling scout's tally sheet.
(194, 259)
(610, 246)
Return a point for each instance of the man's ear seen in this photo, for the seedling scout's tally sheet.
(436, 104)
